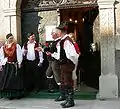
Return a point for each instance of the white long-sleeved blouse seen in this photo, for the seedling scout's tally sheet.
(31, 52)
(3, 59)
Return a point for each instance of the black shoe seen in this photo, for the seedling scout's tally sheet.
(20, 96)
(60, 98)
(63, 103)
(68, 104)
(10, 98)
(51, 91)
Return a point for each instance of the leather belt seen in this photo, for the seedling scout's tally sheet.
(65, 61)
(11, 62)
(32, 60)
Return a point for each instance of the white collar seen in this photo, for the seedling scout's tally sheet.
(31, 43)
(57, 38)
(64, 36)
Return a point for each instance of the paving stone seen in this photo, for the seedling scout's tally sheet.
(30, 103)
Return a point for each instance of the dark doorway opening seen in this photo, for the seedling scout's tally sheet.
(81, 22)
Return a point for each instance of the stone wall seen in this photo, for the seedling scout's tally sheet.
(117, 52)
(1, 21)
(117, 27)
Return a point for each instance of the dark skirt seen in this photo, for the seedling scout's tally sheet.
(11, 82)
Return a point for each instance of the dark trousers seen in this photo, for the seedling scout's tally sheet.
(31, 77)
(54, 69)
(66, 87)
(66, 74)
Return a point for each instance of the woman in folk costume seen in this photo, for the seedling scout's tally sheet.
(74, 76)
(11, 59)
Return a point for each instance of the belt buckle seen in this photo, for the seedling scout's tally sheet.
(11, 62)
(61, 60)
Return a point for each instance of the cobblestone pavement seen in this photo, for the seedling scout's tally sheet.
(51, 104)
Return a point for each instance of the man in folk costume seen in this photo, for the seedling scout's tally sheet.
(33, 58)
(11, 59)
(54, 66)
(67, 58)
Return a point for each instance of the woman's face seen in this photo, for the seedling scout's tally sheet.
(93, 46)
(10, 39)
(73, 39)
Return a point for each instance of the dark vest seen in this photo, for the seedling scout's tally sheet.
(53, 46)
(53, 49)
(62, 51)
(36, 52)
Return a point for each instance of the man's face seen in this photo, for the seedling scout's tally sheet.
(32, 38)
(54, 35)
(59, 34)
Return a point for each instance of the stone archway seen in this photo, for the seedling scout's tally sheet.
(18, 3)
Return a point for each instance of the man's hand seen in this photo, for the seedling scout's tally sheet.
(38, 49)
(40, 64)
(48, 53)
(25, 51)
(19, 65)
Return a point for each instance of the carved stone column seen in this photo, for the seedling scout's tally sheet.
(12, 23)
(108, 81)
(12, 18)
(58, 18)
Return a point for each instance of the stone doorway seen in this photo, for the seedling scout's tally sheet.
(81, 22)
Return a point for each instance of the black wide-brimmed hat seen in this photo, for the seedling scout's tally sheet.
(63, 26)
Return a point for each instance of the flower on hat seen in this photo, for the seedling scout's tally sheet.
(63, 26)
